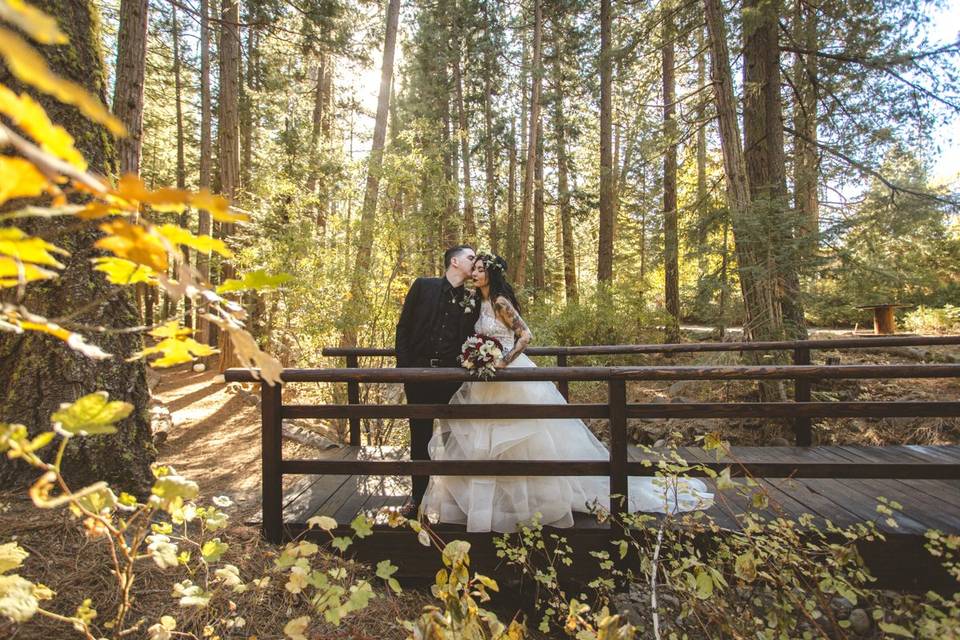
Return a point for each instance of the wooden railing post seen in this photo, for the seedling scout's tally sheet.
(353, 397)
(802, 427)
(617, 396)
(272, 445)
(563, 385)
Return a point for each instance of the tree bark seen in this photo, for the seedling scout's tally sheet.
(228, 128)
(489, 152)
(41, 372)
(181, 162)
(563, 188)
(764, 154)
(761, 317)
(463, 135)
(539, 250)
(806, 159)
(203, 217)
(374, 167)
(128, 86)
(510, 233)
(536, 81)
(607, 221)
(671, 242)
(313, 176)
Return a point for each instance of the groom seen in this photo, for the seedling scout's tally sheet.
(433, 326)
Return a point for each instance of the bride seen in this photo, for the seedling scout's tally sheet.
(500, 503)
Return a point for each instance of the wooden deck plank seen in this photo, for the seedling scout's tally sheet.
(948, 491)
(920, 506)
(302, 484)
(861, 499)
(928, 503)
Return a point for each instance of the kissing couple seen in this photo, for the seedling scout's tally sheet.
(438, 316)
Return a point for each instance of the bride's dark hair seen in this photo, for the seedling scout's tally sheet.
(496, 268)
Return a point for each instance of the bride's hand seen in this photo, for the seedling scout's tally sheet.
(500, 364)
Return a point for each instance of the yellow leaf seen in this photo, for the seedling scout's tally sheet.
(26, 113)
(13, 273)
(32, 21)
(133, 242)
(175, 351)
(29, 67)
(20, 179)
(95, 210)
(171, 329)
(204, 243)
(120, 271)
(218, 206)
(74, 340)
(18, 245)
(131, 188)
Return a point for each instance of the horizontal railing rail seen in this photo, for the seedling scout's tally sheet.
(690, 347)
(616, 411)
(801, 356)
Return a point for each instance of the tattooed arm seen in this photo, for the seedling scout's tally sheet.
(521, 331)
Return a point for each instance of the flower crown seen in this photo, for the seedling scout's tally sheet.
(491, 262)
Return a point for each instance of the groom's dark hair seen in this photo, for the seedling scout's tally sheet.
(452, 253)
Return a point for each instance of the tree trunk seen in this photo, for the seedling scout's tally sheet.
(534, 133)
(40, 372)
(203, 217)
(703, 207)
(671, 241)
(463, 134)
(313, 176)
(806, 162)
(228, 128)
(539, 250)
(607, 222)
(510, 234)
(489, 165)
(764, 155)
(181, 163)
(374, 169)
(247, 130)
(128, 87)
(563, 188)
(761, 317)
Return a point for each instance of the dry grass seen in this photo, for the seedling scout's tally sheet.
(62, 558)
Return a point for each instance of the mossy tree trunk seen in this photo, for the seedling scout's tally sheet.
(40, 372)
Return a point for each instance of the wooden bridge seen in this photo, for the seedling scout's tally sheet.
(837, 483)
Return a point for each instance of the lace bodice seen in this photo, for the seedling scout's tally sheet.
(488, 323)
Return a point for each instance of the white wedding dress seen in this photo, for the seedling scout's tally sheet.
(500, 503)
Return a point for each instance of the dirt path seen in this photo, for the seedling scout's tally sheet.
(215, 436)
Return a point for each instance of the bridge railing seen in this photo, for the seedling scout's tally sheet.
(800, 349)
(616, 410)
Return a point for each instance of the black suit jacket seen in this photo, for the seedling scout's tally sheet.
(416, 335)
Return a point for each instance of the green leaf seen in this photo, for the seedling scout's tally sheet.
(704, 585)
(362, 525)
(11, 556)
(894, 629)
(342, 542)
(760, 500)
(168, 488)
(385, 569)
(17, 600)
(92, 414)
(213, 549)
(456, 552)
(489, 583)
(258, 279)
(324, 522)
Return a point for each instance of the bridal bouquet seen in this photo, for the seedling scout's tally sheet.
(479, 353)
